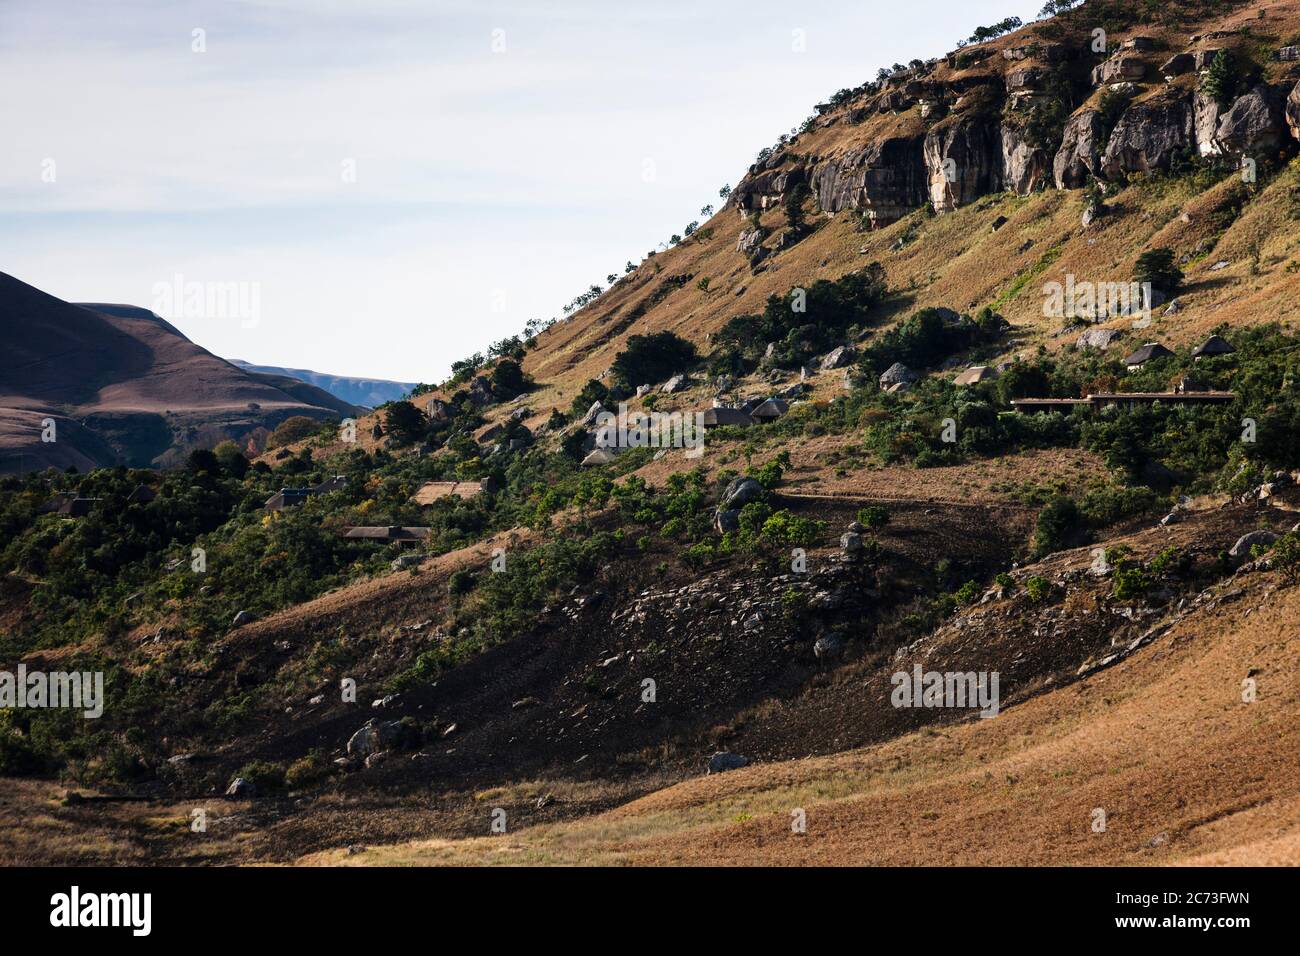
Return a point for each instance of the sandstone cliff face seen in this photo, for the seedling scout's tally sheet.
(1206, 114)
(885, 179)
(1293, 111)
(1025, 167)
(1254, 122)
(1078, 159)
(924, 137)
(963, 161)
(1147, 137)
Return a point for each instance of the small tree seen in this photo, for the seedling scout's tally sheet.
(1222, 79)
(1157, 267)
(404, 422)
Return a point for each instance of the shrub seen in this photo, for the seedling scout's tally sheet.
(1158, 267)
(404, 422)
(1057, 524)
(653, 358)
(267, 777)
(292, 429)
(1037, 588)
(508, 379)
(873, 517)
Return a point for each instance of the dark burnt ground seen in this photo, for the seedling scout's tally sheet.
(565, 702)
(1033, 645)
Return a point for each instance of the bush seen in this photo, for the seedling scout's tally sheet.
(405, 423)
(508, 379)
(873, 517)
(653, 358)
(1037, 588)
(267, 777)
(1057, 525)
(1158, 267)
(292, 429)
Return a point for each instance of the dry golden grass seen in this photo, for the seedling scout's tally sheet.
(1185, 771)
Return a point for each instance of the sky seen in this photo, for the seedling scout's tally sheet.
(379, 187)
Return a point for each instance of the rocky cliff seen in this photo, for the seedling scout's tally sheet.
(1049, 106)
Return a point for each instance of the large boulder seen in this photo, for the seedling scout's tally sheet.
(1025, 167)
(1078, 159)
(1147, 137)
(739, 492)
(963, 161)
(839, 358)
(1241, 550)
(1100, 339)
(1255, 121)
(377, 735)
(897, 374)
(724, 760)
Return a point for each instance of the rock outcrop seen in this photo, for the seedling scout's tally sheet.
(963, 161)
(1025, 167)
(1078, 159)
(1147, 137)
(1254, 122)
(1293, 111)
(885, 179)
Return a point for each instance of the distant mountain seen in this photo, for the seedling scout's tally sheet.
(123, 386)
(370, 392)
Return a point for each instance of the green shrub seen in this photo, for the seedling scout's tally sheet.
(873, 517)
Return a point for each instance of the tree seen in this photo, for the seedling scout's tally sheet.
(725, 191)
(1222, 79)
(706, 211)
(292, 429)
(1157, 267)
(508, 379)
(404, 422)
(653, 358)
(231, 459)
(202, 460)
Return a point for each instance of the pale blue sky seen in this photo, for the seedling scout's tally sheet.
(490, 187)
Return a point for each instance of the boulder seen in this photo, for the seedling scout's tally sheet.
(839, 358)
(740, 491)
(851, 544)
(1254, 122)
(1119, 68)
(592, 414)
(727, 521)
(1147, 137)
(1097, 339)
(241, 788)
(749, 241)
(724, 760)
(897, 374)
(480, 391)
(403, 561)
(828, 647)
(376, 735)
(1241, 550)
(242, 618)
(1177, 65)
(1078, 159)
(674, 384)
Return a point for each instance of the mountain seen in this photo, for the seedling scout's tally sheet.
(368, 392)
(122, 386)
(661, 656)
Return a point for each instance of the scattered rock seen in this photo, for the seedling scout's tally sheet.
(724, 760)
(1241, 550)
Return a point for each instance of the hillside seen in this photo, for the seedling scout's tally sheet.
(123, 385)
(480, 635)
